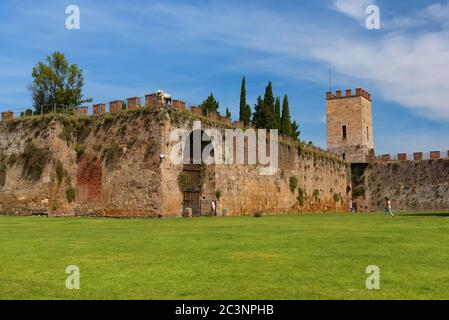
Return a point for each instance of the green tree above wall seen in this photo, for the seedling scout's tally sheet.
(286, 124)
(228, 113)
(295, 130)
(268, 115)
(264, 116)
(259, 115)
(245, 109)
(210, 104)
(56, 84)
(277, 113)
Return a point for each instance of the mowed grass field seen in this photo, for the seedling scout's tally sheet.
(313, 256)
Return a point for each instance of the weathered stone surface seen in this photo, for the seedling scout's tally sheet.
(89, 179)
(350, 125)
(120, 171)
(411, 185)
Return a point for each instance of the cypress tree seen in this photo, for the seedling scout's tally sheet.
(268, 102)
(247, 119)
(242, 101)
(259, 118)
(286, 128)
(245, 110)
(277, 111)
(228, 113)
(295, 130)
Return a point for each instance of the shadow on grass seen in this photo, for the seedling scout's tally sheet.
(426, 214)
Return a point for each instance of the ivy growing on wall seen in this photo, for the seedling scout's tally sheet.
(150, 149)
(202, 176)
(301, 198)
(112, 154)
(71, 194)
(34, 160)
(97, 147)
(3, 169)
(338, 198)
(80, 150)
(183, 180)
(59, 171)
(293, 183)
(316, 195)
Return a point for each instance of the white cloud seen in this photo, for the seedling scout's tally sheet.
(434, 15)
(353, 8)
(438, 12)
(408, 68)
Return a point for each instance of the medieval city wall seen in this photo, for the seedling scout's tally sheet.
(110, 164)
(20, 191)
(322, 184)
(412, 185)
(104, 165)
(323, 180)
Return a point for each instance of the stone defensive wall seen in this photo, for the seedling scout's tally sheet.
(151, 100)
(117, 164)
(415, 156)
(418, 182)
(414, 182)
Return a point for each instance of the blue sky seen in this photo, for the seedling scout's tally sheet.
(192, 48)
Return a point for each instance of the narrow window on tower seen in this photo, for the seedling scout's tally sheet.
(367, 134)
(344, 132)
(344, 156)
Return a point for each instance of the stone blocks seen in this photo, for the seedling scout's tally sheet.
(133, 103)
(99, 109)
(7, 116)
(115, 106)
(81, 111)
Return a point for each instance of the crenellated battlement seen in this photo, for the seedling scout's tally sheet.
(7, 116)
(359, 92)
(415, 156)
(132, 103)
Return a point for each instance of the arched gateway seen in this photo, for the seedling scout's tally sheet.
(194, 169)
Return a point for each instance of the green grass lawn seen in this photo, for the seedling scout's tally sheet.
(321, 256)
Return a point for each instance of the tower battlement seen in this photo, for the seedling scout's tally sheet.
(349, 123)
(359, 92)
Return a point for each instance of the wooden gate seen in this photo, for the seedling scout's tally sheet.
(192, 192)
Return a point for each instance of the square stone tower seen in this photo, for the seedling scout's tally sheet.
(349, 122)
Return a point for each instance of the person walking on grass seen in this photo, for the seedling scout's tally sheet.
(213, 208)
(388, 210)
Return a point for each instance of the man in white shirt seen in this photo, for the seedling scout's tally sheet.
(213, 207)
